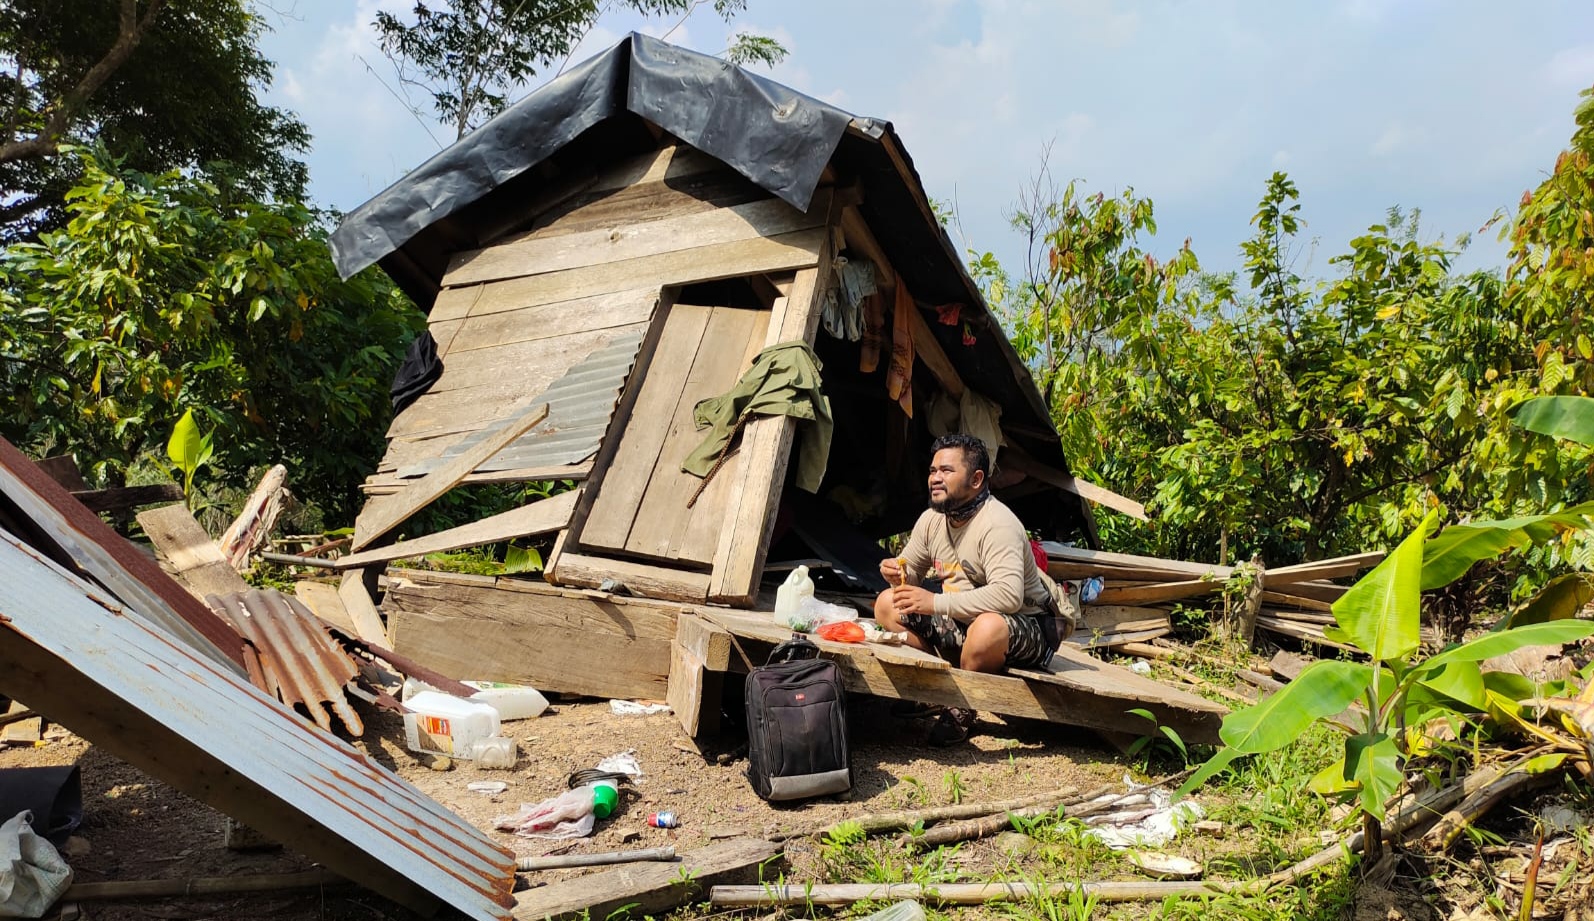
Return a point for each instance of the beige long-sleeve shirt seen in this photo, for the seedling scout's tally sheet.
(986, 565)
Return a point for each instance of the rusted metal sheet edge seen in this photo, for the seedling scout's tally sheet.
(299, 661)
(341, 808)
(105, 556)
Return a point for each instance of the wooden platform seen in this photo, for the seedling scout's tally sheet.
(587, 642)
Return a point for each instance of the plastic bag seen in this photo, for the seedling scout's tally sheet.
(568, 815)
(842, 631)
(32, 873)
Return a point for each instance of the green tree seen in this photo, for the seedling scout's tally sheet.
(168, 292)
(469, 56)
(162, 83)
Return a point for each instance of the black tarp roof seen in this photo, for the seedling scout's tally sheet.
(608, 106)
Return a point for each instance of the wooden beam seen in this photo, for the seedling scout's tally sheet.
(928, 350)
(122, 498)
(641, 578)
(63, 469)
(323, 600)
(1057, 551)
(385, 513)
(766, 449)
(1161, 591)
(647, 889)
(1018, 460)
(361, 609)
(525, 632)
(698, 659)
(540, 517)
(196, 560)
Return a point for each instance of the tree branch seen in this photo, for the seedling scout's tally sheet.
(130, 31)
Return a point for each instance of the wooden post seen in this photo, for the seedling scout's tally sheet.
(699, 658)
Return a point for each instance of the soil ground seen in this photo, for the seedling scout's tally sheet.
(137, 827)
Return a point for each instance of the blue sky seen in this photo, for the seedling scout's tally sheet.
(1452, 107)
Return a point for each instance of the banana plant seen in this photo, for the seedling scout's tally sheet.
(189, 450)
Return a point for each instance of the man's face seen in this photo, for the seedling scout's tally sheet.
(952, 482)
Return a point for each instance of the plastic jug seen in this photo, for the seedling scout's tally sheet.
(512, 701)
(446, 725)
(789, 600)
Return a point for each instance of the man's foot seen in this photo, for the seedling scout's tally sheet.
(953, 726)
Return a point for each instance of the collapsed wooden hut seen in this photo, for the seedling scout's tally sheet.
(609, 252)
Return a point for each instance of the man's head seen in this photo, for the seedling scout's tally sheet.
(959, 467)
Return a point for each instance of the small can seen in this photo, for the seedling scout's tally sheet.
(664, 820)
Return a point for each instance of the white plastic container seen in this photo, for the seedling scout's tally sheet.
(494, 752)
(789, 600)
(512, 701)
(446, 725)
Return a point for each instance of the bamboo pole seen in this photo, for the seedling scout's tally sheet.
(201, 885)
(894, 821)
(561, 861)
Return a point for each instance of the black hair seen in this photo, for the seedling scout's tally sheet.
(974, 453)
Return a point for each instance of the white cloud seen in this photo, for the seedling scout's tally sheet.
(1571, 67)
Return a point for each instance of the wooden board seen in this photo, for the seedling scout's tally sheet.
(122, 498)
(324, 602)
(1162, 591)
(385, 513)
(698, 659)
(630, 239)
(760, 626)
(649, 889)
(643, 579)
(361, 610)
(1016, 459)
(552, 320)
(195, 559)
(1057, 551)
(766, 450)
(540, 517)
(649, 201)
(785, 252)
(487, 629)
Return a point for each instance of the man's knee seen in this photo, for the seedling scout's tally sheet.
(985, 643)
(884, 614)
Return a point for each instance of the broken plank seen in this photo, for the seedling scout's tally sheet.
(627, 239)
(196, 560)
(524, 632)
(1164, 591)
(63, 469)
(1336, 568)
(649, 581)
(1016, 459)
(361, 610)
(122, 498)
(785, 252)
(324, 602)
(648, 889)
(540, 517)
(385, 513)
(1289, 665)
(1309, 604)
(1058, 551)
(555, 320)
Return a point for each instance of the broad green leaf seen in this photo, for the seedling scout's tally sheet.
(1553, 633)
(1373, 762)
(1571, 418)
(1448, 556)
(1215, 764)
(1459, 681)
(186, 444)
(1542, 763)
(1323, 689)
(1381, 612)
(1331, 780)
(1560, 598)
(522, 559)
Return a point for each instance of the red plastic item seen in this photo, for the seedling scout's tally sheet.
(844, 631)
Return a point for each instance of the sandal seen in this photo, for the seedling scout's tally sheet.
(953, 726)
(913, 709)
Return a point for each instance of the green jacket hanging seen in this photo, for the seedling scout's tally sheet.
(783, 381)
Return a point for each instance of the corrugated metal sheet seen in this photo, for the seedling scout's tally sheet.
(579, 407)
(299, 660)
(121, 680)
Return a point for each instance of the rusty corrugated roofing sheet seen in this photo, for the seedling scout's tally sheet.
(579, 406)
(299, 660)
(117, 678)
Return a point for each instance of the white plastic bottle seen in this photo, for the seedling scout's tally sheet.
(512, 701)
(789, 600)
(446, 725)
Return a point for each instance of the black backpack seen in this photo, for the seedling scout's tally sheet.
(797, 725)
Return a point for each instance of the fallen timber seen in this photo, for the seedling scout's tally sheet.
(591, 642)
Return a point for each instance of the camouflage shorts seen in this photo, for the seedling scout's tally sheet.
(1026, 642)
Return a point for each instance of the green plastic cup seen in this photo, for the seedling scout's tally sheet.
(604, 798)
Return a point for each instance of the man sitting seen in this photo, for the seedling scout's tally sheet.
(987, 615)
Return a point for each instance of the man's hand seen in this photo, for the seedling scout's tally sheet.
(911, 599)
(891, 571)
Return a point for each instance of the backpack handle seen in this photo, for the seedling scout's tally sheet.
(794, 649)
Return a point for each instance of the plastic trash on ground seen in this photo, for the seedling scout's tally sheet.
(568, 815)
(32, 873)
(622, 763)
(636, 708)
(1151, 819)
(442, 724)
(899, 911)
(512, 701)
(493, 752)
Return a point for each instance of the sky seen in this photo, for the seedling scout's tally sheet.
(1455, 107)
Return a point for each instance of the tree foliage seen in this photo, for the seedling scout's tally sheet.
(469, 56)
(168, 292)
(163, 84)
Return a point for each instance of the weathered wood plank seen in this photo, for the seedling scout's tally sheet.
(1016, 459)
(122, 498)
(389, 484)
(195, 559)
(649, 581)
(664, 525)
(540, 517)
(385, 513)
(766, 453)
(698, 658)
(625, 482)
(549, 639)
(554, 320)
(63, 469)
(785, 252)
(647, 201)
(324, 602)
(361, 610)
(758, 625)
(647, 889)
(629, 239)
(1163, 591)
(1057, 551)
